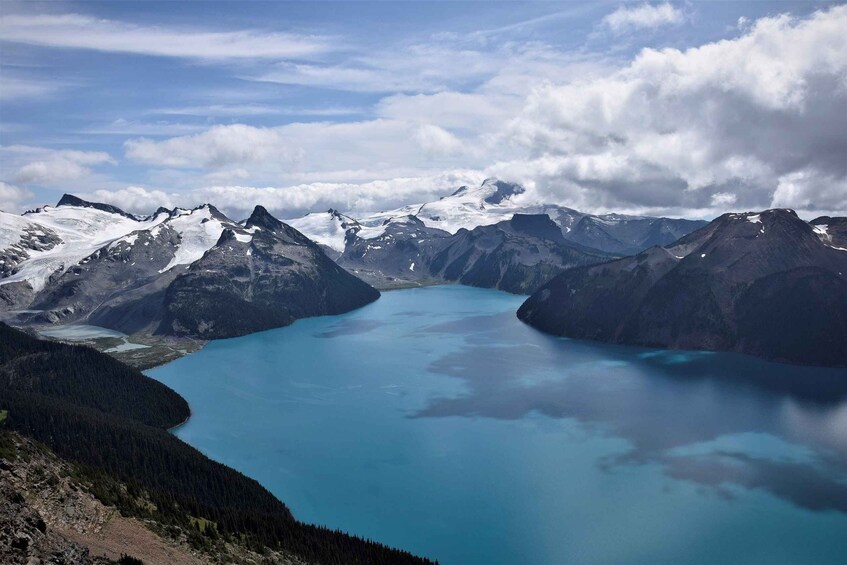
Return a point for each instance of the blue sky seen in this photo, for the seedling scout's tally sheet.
(676, 108)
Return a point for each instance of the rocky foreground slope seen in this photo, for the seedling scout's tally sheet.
(768, 284)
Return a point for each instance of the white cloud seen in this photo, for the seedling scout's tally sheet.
(12, 196)
(14, 87)
(676, 128)
(723, 199)
(84, 32)
(123, 126)
(293, 201)
(241, 110)
(810, 190)
(218, 146)
(643, 16)
(426, 68)
(437, 141)
(745, 123)
(344, 151)
(138, 199)
(37, 165)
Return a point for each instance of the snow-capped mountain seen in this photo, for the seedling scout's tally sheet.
(496, 201)
(87, 261)
(400, 246)
(832, 231)
(329, 229)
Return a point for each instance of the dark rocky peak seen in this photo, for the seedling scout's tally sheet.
(775, 223)
(214, 212)
(408, 220)
(832, 231)
(536, 225)
(502, 190)
(346, 221)
(227, 235)
(261, 218)
(75, 201)
(825, 220)
(459, 191)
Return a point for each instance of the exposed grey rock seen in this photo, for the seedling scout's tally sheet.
(516, 255)
(264, 275)
(832, 231)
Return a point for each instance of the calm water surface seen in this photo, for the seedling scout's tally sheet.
(433, 420)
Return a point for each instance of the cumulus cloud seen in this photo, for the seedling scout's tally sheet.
(743, 123)
(760, 116)
(724, 199)
(37, 165)
(218, 146)
(84, 32)
(11, 197)
(321, 149)
(644, 16)
(138, 199)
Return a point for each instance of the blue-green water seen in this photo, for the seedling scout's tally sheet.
(433, 420)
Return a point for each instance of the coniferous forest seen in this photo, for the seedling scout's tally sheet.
(111, 421)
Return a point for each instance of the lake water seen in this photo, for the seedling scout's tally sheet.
(435, 421)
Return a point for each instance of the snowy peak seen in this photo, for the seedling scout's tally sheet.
(831, 231)
(261, 218)
(71, 200)
(331, 229)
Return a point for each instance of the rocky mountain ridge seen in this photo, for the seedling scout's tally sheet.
(87, 262)
(764, 283)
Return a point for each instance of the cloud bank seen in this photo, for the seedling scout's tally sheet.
(748, 122)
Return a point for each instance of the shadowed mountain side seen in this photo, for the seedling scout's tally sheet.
(763, 284)
(516, 255)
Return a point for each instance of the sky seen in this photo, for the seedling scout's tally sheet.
(686, 109)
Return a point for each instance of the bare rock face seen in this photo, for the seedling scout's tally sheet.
(261, 276)
(516, 255)
(832, 231)
(761, 283)
(25, 536)
(178, 272)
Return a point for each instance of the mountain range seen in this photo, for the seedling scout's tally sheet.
(482, 236)
(196, 272)
(764, 283)
(768, 284)
(177, 272)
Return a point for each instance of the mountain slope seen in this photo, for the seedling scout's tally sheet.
(180, 272)
(262, 276)
(110, 421)
(763, 284)
(515, 255)
(495, 201)
(467, 237)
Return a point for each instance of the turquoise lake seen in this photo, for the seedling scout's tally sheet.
(434, 421)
